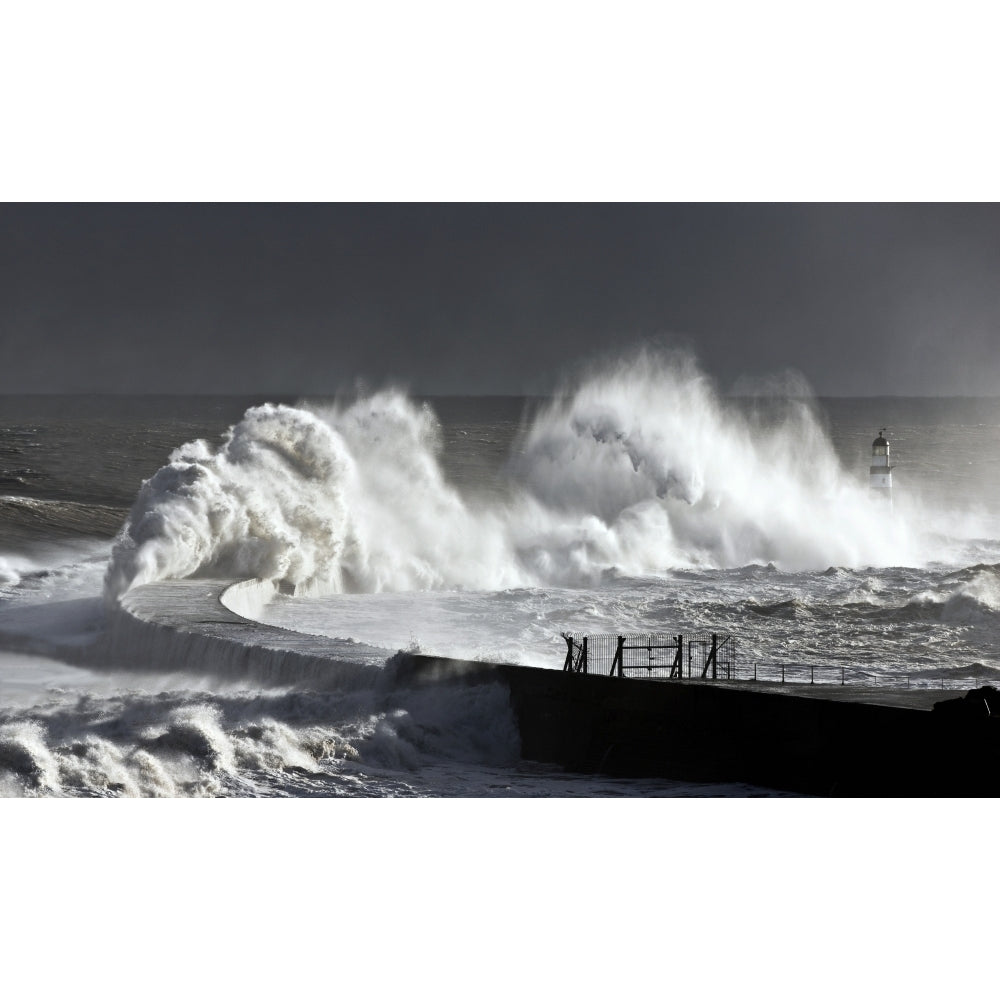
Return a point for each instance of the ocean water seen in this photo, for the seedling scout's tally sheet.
(639, 499)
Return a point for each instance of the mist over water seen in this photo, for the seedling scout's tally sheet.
(640, 469)
(659, 472)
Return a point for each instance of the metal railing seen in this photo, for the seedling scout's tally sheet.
(651, 655)
(658, 656)
(713, 657)
(937, 678)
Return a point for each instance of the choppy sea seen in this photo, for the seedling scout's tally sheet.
(639, 500)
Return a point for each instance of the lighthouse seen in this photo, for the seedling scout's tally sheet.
(880, 472)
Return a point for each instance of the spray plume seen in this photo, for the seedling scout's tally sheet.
(640, 469)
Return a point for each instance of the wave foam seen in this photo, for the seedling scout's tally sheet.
(639, 470)
(251, 743)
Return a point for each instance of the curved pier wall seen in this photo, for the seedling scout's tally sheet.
(818, 743)
(248, 598)
(185, 625)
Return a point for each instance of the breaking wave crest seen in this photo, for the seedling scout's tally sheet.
(294, 742)
(969, 597)
(639, 470)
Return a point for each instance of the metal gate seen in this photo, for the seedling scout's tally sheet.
(650, 655)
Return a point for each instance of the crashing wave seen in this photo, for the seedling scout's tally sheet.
(639, 470)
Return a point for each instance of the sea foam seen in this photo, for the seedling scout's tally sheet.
(639, 469)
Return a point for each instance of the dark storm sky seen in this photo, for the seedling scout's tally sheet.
(288, 299)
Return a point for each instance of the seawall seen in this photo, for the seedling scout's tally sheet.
(818, 740)
(173, 623)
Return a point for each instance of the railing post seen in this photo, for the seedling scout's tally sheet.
(617, 661)
(782, 673)
(677, 670)
(712, 659)
(812, 673)
(584, 654)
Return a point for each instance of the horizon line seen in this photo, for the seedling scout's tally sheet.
(288, 394)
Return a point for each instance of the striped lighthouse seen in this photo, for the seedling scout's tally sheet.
(880, 471)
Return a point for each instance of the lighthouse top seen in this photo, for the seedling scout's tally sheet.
(880, 471)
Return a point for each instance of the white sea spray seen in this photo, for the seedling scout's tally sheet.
(642, 468)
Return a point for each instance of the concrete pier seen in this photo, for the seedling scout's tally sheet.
(175, 624)
(816, 739)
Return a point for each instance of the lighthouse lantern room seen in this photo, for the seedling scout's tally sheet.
(880, 472)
